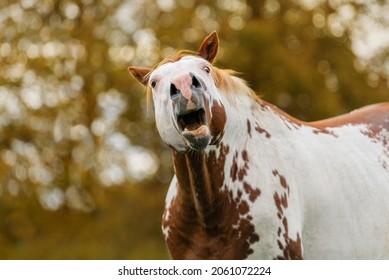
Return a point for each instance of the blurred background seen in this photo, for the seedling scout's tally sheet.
(83, 172)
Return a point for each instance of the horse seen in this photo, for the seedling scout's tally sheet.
(252, 182)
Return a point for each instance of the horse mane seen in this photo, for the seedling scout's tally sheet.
(230, 85)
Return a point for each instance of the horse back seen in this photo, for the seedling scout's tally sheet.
(376, 116)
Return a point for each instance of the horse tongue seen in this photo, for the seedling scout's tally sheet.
(191, 126)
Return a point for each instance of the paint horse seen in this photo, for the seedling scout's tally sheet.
(253, 182)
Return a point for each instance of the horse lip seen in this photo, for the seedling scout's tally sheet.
(197, 139)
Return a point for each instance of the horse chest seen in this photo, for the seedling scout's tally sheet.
(239, 216)
(226, 231)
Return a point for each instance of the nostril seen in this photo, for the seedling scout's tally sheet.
(195, 82)
(173, 90)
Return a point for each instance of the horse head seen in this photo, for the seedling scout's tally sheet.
(188, 105)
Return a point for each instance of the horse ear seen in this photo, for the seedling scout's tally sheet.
(141, 74)
(209, 47)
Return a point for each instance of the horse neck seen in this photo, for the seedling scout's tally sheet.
(250, 118)
(202, 175)
(199, 178)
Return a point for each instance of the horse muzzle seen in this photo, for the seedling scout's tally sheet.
(187, 94)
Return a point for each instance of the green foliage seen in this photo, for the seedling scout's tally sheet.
(83, 170)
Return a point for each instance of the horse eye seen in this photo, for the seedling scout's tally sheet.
(153, 83)
(207, 69)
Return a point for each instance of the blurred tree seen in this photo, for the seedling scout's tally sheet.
(73, 123)
(290, 55)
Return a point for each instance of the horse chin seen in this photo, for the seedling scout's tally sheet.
(199, 138)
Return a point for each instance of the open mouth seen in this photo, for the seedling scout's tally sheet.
(194, 129)
(192, 120)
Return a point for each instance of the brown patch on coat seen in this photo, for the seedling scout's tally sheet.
(253, 193)
(381, 139)
(236, 172)
(261, 130)
(245, 156)
(206, 220)
(249, 128)
(324, 131)
(217, 123)
(277, 201)
(291, 249)
(234, 168)
(376, 116)
(283, 182)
